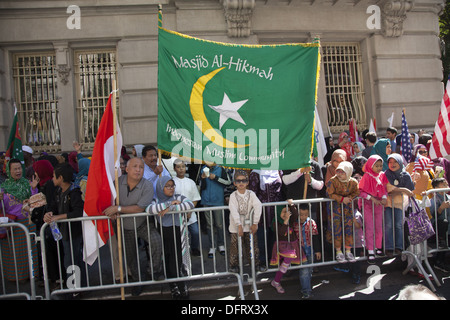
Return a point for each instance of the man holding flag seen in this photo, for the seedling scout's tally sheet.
(135, 194)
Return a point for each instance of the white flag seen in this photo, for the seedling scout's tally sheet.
(320, 139)
(391, 120)
(372, 126)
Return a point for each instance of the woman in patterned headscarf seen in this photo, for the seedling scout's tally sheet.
(15, 191)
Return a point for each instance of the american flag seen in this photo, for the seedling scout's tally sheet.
(406, 142)
(440, 144)
(423, 163)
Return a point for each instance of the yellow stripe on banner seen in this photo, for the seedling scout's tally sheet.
(306, 45)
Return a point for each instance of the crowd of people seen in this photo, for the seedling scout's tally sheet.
(368, 180)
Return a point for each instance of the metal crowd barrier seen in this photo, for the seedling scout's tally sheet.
(14, 289)
(102, 274)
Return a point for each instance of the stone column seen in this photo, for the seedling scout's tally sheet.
(66, 95)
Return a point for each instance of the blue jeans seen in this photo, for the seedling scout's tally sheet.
(305, 277)
(393, 226)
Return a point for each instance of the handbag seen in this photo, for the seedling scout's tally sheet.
(419, 225)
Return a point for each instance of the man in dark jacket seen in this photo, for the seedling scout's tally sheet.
(68, 204)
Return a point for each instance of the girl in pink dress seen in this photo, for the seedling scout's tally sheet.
(374, 196)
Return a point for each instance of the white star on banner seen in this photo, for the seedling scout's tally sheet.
(229, 110)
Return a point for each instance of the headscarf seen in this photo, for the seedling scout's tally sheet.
(379, 148)
(399, 178)
(18, 188)
(361, 148)
(347, 168)
(331, 170)
(73, 161)
(347, 147)
(83, 166)
(44, 169)
(416, 151)
(124, 154)
(358, 164)
(160, 184)
(138, 148)
(373, 183)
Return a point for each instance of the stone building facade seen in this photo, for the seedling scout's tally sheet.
(58, 60)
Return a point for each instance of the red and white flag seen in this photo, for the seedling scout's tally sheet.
(353, 130)
(440, 144)
(100, 189)
(372, 126)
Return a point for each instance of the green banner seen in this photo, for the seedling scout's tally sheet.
(240, 106)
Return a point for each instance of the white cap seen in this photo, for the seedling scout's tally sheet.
(27, 149)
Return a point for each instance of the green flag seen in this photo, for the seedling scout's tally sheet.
(14, 148)
(240, 106)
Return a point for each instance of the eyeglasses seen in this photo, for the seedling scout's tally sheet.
(423, 151)
(170, 187)
(241, 180)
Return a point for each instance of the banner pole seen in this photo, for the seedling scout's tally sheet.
(119, 232)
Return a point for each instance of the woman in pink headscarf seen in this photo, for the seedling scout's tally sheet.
(373, 192)
(345, 144)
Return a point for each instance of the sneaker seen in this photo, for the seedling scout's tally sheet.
(340, 257)
(277, 286)
(379, 253)
(345, 270)
(371, 259)
(349, 257)
(175, 292)
(442, 244)
(184, 292)
(306, 296)
(222, 250)
(211, 253)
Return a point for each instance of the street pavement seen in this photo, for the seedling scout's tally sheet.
(381, 281)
